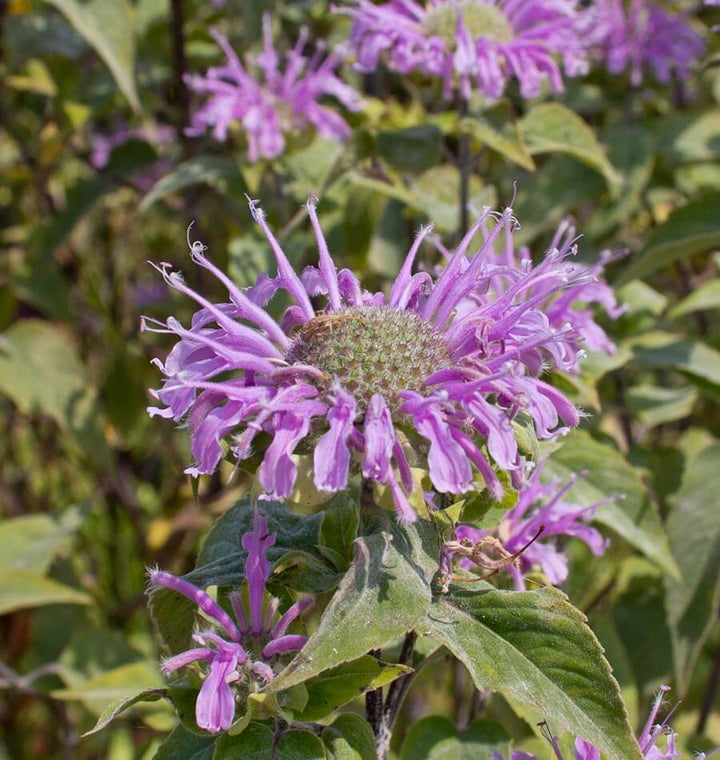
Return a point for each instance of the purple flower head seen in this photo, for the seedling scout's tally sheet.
(541, 511)
(649, 740)
(641, 36)
(233, 649)
(432, 375)
(271, 100)
(472, 43)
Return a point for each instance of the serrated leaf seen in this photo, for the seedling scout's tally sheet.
(349, 737)
(120, 705)
(337, 686)
(108, 26)
(24, 589)
(383, 595)
(694, 531)
(554, 128)
(537, 648)
(220, 173)
(633, 515)
(692, 229)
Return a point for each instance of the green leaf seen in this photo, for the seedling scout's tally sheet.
(383, 595)
(436, 193)
(695, 359)
(300, 745)
(633, 515)
(536, 648)
(436, 738)
(692, 229)
(120, 705)
(707, 296)
(221, 563)
(184, 745)
(113, 685)
(694, 532)
(553, 128)
(108, 25)
(350, 738)
(221, 173)
(414, 149)
(685, 137)
(32, 541)
(23, 589)
(654, 405)
(548, 194)
(254, 743)
(498, 128)
(41, 371)
(337, 686)
(173, 618)
(631, 151)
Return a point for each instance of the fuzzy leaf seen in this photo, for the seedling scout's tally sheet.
(120, 705)
(349, 738)
(536, 648)
(184, 745)
(254, 743)
(384, 594)
(337, 686)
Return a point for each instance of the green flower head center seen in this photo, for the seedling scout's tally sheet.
(480, 18)
(372, 349)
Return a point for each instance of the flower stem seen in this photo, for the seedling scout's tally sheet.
(177, 22)
(464, 160)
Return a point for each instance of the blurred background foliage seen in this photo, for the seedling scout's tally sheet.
(99, 178)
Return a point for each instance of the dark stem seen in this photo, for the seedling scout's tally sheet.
(397, 692)
(623, 412)
(374, 706)
(180, 91)
(710, 694)
(464, 159)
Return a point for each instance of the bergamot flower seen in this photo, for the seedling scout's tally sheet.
(434, 374)
(472, 43)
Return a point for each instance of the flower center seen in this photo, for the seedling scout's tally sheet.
(372, 349)
(480, 19)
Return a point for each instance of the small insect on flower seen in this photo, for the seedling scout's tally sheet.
(434, 376)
